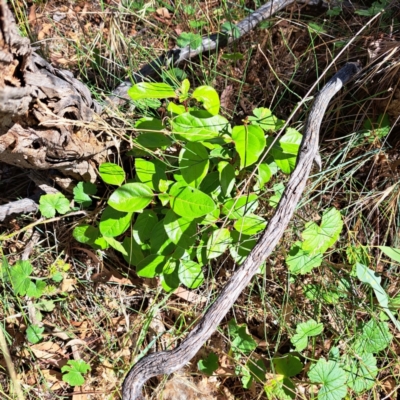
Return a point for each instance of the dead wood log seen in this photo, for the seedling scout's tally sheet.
(39, 106)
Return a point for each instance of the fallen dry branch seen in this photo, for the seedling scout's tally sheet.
(167, 362)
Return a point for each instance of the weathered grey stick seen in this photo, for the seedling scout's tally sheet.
(166, 362)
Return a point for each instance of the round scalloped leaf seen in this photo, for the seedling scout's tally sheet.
(303, 331)
(189, 202)
(112, 173)
(332, 377)
(362, 373)
(287, 365)
(249, 143)
(375, 337)
(131, 197)
(194, 163)
(209, 97)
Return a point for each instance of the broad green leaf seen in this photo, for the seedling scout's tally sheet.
(332, 377)
(279, 387)
(49, 204)
(180, 230)
(190, 274)
(177, 109)
(153, 140)
(304, 331)
(265, 120)
(116, 245)
(197, 126)
(89, 235)
(189, 202)
(240, 206)
(391, 252)
(231, 28)
(301, 261)
(218, 243)
(36, 289)
(149, 124)
(226, 177)
(290, 141)
(133, 251)
(318, 239)
(362, 374)
(208, 365)
(242, 342)
(241, 246)
(20, 276)
(34, 333)
(209, 97)
(144, 224)
(114, 223)
(73, 372)
(189, 39)
(131, 197)
(250, 224)
(278, 191)
(374, 337)
(112, 174)
(151, 266)
(185, 86)
(160, 243)
(287, 365)
(211, 184)
(170, 276)
(82, 192)
(249, 143)
(150, 90)
(193, 163)
(254, 370)
(150, 172)
(264, 174)
(368, 276)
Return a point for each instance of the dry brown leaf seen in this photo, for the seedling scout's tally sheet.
(163, 12)
(45, 31)
(78, 394)
(189, 296)
(68, 285)
(53, 377)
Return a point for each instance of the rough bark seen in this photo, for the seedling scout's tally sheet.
(39, 108)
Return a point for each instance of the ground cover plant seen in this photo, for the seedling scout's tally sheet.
(110, 270)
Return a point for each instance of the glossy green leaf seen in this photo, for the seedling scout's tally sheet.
(240, 206)
(151, 90)
(151, 266)
(144, 224)
(160, 243)
(133, 251)
(264, 119)
(150, 172)
(218, 243)
(304, 331)
(279, 188)
(112, 174)
(170, 276)
(226, 177)
(197, 126)
(301, 261)
(180, 230)
(250, 224)
(190, 274)
(264, 174)
(131, 197)
(189, 202)
(290, 141)
(194, 163)
(209, 97)
(49, 204)
(177, 109)
(149, 124)
(332, 379)
(114, 223)
(153, 140)
(249, 143)
(116, 245)
(317, 239)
